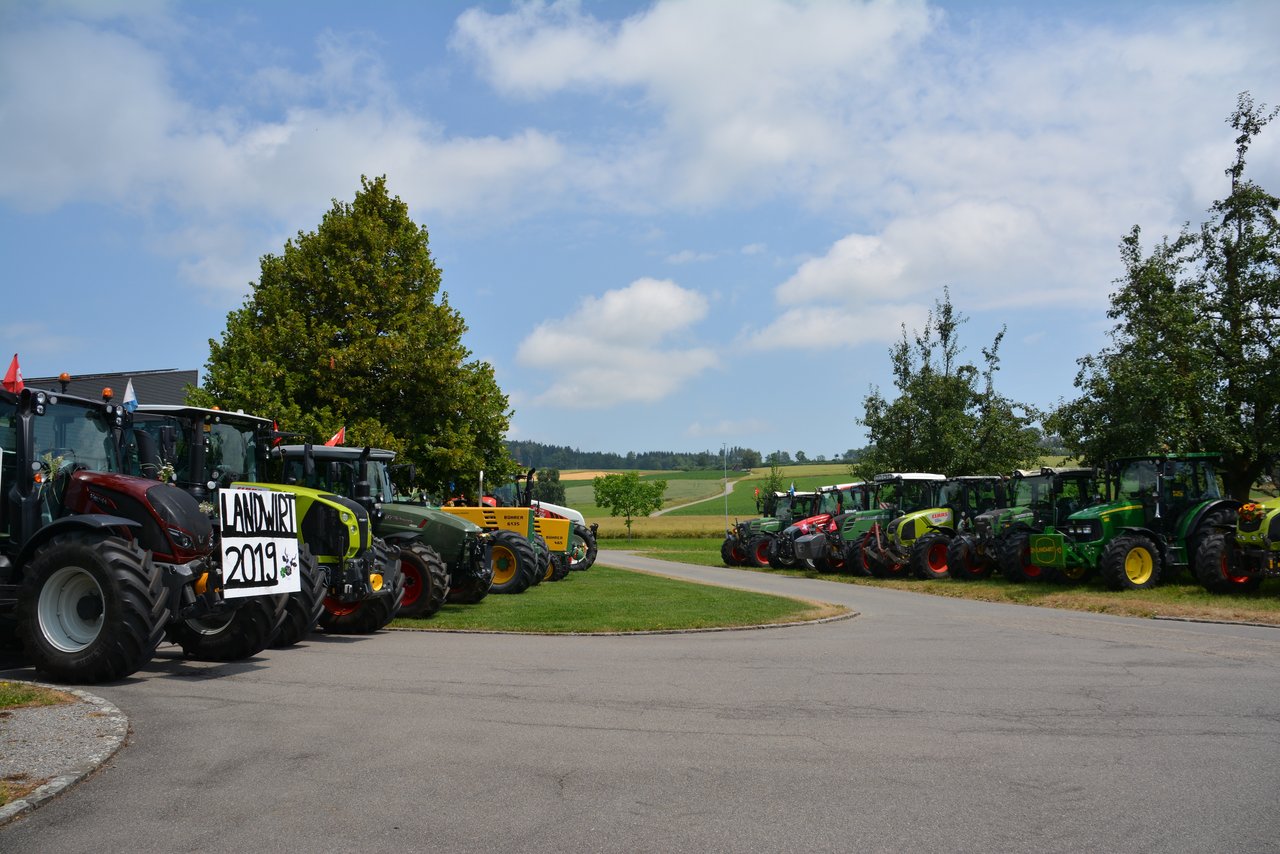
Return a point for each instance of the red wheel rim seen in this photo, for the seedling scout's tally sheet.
(1229, 575)
(762, 552)
(337, 608)
(738, 553)
(1029, 569)
(938, 557)
(412, 582)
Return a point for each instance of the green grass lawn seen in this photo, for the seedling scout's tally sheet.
(604, 599)
(1178, 599)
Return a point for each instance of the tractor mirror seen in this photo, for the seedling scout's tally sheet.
(308, 462)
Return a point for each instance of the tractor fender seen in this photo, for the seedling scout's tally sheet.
(400, 537)
(80, 522)
(1213, 506)
(949, 530)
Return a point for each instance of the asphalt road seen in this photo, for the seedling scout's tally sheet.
(922, 724)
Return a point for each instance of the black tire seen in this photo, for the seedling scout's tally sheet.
(426, 580)
(855, 560)
(732, 553)
(880, 563)
(758, 550)
(1217, 566)
(469, 591)
(234, 636)
(777, 560)
(1015, 559)
(559, 568)
(1071, 575)
(928, 560)
(543, 555)
(514, 563)
(1217, 522)
(829, 559)
(963, 561)
(1130, 562)
(582, 547)
(86, 572)
(302, 609)
(373, 613)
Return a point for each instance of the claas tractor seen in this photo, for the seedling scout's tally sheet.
(747, 543)
(443, 558)
(1157, 512)
(816, 540)
(1236, 559)
(916, 541)
(999, 537)
(897, 495)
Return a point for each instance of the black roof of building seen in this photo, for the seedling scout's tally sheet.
(168, 385)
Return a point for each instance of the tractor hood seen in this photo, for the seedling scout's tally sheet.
(555, 511)
(416, 516)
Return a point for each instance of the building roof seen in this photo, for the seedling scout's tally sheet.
(167, 385)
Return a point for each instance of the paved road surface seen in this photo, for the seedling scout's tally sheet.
(923, 724)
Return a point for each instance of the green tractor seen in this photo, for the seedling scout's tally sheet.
(1237, 559)
(916, 541)
(895, 494)
(816, 540)
(349, 579)
(1158, 511)
(748, 543)
(999, 537)
(443, 558)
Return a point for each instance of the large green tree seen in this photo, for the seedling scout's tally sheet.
(947, 416)
(625, 494)
(349, 327)
(1194, 359)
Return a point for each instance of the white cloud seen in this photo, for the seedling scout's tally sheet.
(835, 328)
(616, 348)
(689, 256)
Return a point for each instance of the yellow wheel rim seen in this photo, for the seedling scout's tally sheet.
(1138, 565)
(504, 564)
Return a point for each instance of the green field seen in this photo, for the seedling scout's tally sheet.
(604, 599)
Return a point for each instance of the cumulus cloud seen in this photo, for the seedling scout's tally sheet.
(617, 348)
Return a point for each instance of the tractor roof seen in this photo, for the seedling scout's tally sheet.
(908, 475)
(839, 486)
(1069, 471)
(201, 412)
(336, 452)
(1208, 456)
(983, 478)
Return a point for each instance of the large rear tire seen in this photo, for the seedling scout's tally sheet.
(369, 615)
(1130, 562)
(1015, 559)
(92, 608)
(543, 555)
(514, 563)
(928, 560)
(1216, 567)
(302, 609)
(963, 561)
(426, 580)
(732, 553)
(242, 633)
(777, 560)
(855, 559)
(559, 568)
(758, 551)
(582, 547)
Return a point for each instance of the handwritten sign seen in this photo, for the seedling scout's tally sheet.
(259, 542)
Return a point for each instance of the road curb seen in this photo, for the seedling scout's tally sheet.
(117, 730)
(848, 615)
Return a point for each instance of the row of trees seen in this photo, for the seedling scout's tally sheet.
(1193, 363)
(539, 455)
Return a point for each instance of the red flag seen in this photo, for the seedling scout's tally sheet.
(13, 379)
(275, 428)
(338, 438)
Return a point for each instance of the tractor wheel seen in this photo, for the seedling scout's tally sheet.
(469, 591)
(543, 555)
(1130, 562)
(514, 562)
(1218, 522)
(963, 561)
(732, 553)
(856, 560)
(92, 608)
(426, 580)
(929, 557)
(880, 563)
(243, 632)
(368, 615)
(779, 561)
(1216, 566)
(302, 609)
(1015, 559)
(582, 547)
(758, 551)
(559, 568)
(830, 560)
(1072, 575)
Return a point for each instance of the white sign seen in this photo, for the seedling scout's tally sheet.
(259, 542)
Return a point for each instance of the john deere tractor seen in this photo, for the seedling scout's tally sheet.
(917, 540)
(999, 537)
(443, 557)
(747, 543)
(1237, 559)
(94, 563)
(1158, 511)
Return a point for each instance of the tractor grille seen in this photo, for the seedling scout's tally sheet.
(1084, 530)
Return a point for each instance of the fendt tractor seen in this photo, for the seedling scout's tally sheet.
(582, 537)
(94, 564)
(747, 543)
(805, 541)
(1237, 559)
(443, 558)
(1158, 511)
(1000, 537)
(916, 541)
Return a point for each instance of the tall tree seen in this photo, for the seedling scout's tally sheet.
(948, 416)
(1194, 360)
(348, 327)
(625, 494)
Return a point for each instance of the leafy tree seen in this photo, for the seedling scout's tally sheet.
(948, 416)
(774, 482)
(801, 457)
(348, 328)
(547, 486)
(625, 494)
(1194, 360)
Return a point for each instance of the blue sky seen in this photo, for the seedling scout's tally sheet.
(668, 225)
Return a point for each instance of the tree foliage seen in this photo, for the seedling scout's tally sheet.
(947, 416)
(547, 487)
(348, 327)
(1194, 359)
(625, 494)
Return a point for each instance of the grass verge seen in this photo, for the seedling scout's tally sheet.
(1180, 599)
(605, 599)
(18, 695)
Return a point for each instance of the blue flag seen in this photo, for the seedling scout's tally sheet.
(130, 399)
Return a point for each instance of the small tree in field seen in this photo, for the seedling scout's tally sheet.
(625, 494)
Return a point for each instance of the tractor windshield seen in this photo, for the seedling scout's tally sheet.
(73, 434)
(1137, 479)
(832, 502)
(917, 495)
(1030, 491)
(380, 486)
(1189, 482)
(232, 454)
